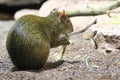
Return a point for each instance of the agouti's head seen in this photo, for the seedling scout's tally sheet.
(63, 19)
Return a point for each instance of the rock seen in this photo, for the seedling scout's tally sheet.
(43, 11)
(11, 6)
(19, 2)
(49, 5)
(23, 12)
(46, 8)
(5, 16)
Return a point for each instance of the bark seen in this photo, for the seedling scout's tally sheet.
(93, 11)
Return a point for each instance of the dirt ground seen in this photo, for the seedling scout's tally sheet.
(80, 62)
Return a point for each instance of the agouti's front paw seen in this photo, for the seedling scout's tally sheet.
(67, 37)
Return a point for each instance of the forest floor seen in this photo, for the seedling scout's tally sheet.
(80, 62)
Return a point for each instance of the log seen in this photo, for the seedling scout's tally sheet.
(105, 38)
(93, 11)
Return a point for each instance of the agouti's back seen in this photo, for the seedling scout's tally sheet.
(27, 45)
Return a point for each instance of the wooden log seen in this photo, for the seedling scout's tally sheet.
(105, 38)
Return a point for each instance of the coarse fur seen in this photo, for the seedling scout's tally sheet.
(31, 37)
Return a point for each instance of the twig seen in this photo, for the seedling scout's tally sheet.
(81, 31)
(92, 11)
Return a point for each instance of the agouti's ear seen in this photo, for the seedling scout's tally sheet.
(62, 14)
(54, 10)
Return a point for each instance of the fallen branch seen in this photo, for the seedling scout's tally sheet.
(93, 11)
(83, 30)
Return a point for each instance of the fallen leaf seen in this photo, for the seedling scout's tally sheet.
(119, 62)
(86, 36)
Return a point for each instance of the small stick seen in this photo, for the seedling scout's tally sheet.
(63, 48)
(81, 31)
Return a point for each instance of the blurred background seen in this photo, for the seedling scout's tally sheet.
(81, 61)
(9, 7)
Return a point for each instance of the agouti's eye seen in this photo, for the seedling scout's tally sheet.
(67, 21)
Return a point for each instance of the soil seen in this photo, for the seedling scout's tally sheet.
(80, 62)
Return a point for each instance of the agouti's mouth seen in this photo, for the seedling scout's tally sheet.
(69, 31)
(62, 35)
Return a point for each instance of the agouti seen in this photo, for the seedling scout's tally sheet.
(31, 37)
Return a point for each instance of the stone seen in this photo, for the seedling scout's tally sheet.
(9, 7)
